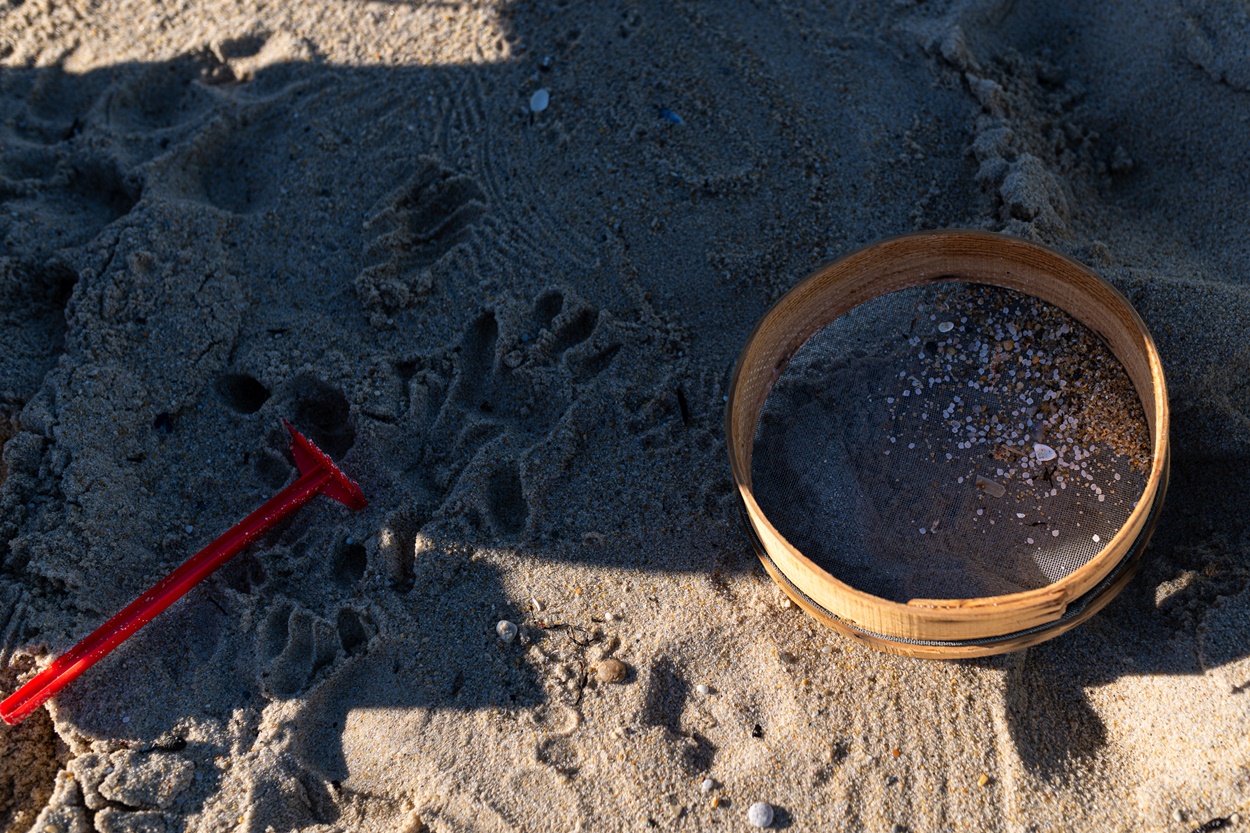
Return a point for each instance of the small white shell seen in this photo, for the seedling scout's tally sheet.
(946, 326)
(506, 631)
(539, 101)
(760, 814)
(1044, 452)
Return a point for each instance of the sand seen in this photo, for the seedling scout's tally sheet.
(515, 330)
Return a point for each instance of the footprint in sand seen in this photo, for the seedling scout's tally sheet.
(513, 379)
(238, 162)
(413, 229)
(152, 102)
(296, 645)
(74, 146)
(68, 205)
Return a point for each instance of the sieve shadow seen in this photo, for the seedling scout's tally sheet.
(664, 701)
(1160, 624)
(1054, 728)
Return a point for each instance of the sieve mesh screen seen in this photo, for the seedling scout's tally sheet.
(951, 441)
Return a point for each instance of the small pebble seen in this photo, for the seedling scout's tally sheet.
(760, 814)
(611, 671)
(703, 688)
(1234, 818)
(539, 101)
(1096, 539)
(506, 631)
(983, 780)
(708, 785)
(946, 326)
(190, 529)
(1178, 816)
(1044, 452)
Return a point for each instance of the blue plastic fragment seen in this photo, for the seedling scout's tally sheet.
(670, 116)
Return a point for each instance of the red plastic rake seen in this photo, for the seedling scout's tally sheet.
(318, 475)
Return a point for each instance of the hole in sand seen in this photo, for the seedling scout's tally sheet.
(242, 392)
(349, 563)
(352, 631)
(322, 411)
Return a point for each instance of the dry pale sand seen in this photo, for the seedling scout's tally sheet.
(515, 330)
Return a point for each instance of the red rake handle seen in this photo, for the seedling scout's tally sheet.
(66, 668)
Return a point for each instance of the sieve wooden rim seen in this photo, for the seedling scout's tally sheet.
(919, 259)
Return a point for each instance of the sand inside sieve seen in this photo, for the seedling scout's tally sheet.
(951, 442)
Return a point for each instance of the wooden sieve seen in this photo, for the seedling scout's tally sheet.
(948, 627)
